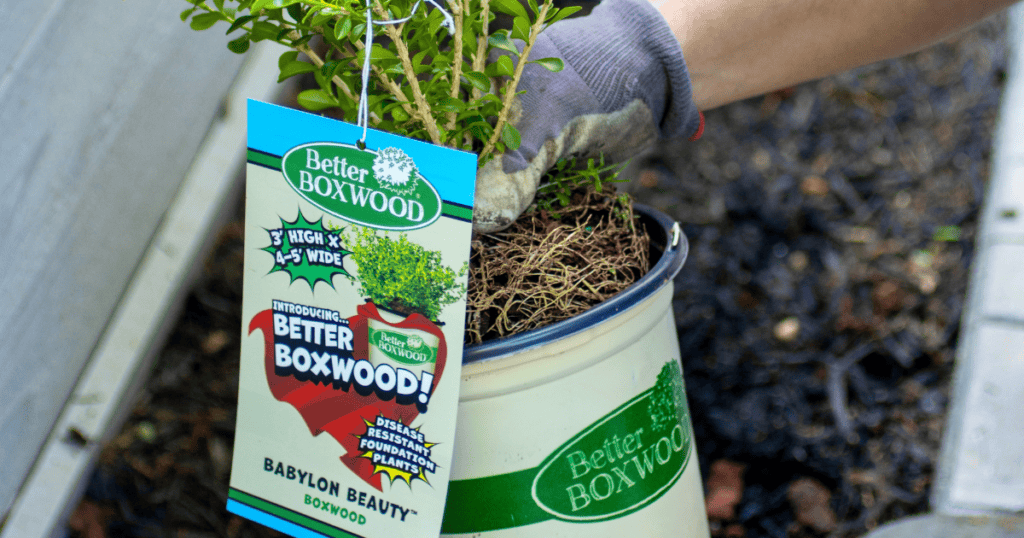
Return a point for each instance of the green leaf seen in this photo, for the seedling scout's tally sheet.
(493, 99)
(295, 68)
(264, 30)
(521, 28)
(258, 5)
(502, 41)
(219, 4)
(510, 136)
(502, 67)
(417, 62)
(323, 16)
(510, 7)
(479, 80)
(469, 114)
(239, 45)
(534, 7)
(239, 22)
(312, 12)
(400, 115)
(562, 13)
(342, 29)
(323, 82)
(380, 53)
(434, 20)
(205, 20)
(505, 65)
(287, 58)
(397, 112)
(551, 64)
(417, 58)
(187, 13)
(316, 100)
(358, 32)
(282, 34)
(328, 68)
(449, 104)
(481, 130)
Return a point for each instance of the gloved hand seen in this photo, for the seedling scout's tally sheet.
(624, 84)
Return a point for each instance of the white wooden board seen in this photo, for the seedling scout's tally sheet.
(102, 107)
(148, 310)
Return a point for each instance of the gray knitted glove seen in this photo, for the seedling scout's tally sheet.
(624, 84)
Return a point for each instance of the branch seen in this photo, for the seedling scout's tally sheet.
(391, 85)
(293, 35)
(456, 7)
(480, 58)
(423, 110)
(510, 86)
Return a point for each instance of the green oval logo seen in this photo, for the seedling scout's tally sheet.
(403, 348)
(380, 189)
(616, 466)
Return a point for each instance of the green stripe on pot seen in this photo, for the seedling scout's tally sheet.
(273, 162)
(492, 503)
(288, 515)
(619, 464)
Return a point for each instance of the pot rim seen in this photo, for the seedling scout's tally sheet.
(666, 236)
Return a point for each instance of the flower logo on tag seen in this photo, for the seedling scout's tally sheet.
(395, 171)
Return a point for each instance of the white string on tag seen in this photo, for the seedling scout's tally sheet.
(363, 112)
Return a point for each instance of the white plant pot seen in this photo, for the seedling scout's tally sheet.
(567, 431)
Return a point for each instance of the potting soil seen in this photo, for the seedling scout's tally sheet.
(553, 264)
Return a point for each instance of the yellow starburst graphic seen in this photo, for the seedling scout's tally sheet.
(397, 450)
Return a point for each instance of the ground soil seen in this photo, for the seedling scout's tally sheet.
(831, 229)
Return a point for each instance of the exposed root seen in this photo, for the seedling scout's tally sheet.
(554, 264)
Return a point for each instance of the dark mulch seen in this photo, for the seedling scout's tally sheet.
(831, 229)
(832, 226)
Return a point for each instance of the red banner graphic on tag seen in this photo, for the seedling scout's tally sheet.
(345, 414)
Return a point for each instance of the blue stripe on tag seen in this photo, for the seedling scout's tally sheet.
(452, 172)
(268, 520)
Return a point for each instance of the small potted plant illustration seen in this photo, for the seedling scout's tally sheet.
(406, 286)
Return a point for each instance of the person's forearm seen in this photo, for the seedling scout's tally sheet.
(740, 48)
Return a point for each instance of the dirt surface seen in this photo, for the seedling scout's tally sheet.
(831, 229)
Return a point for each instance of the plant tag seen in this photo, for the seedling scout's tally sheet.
(353, 316)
